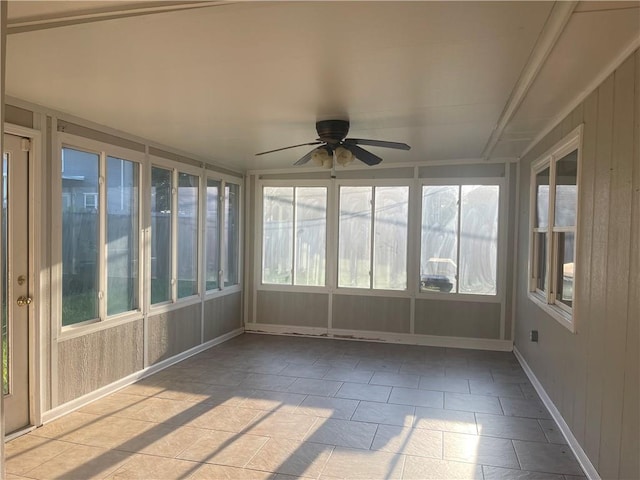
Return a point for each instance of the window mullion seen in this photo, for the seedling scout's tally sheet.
(551, 241)
(174, 235)
(102, 236)
(222, 233)
(458, 239)
(373, 234)
(295, 236)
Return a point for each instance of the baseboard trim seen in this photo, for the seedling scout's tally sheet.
(80, 402)
(576, 448)
(383, 337)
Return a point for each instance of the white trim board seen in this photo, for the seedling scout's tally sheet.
(581, 96)
(382, 337)
(588, 468)
(80, 402)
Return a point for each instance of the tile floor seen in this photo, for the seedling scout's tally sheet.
(282, 407)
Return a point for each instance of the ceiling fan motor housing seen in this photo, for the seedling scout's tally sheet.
(332, 131)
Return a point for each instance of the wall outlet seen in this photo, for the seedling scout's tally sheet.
(533, 335)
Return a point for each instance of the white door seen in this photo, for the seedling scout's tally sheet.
(16, 295)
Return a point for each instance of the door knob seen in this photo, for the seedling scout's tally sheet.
(22, 301)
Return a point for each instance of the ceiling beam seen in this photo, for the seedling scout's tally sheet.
(553, 28)
(29, 24)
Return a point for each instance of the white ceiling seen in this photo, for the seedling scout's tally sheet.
(226, 81)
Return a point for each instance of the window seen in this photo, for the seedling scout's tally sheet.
(90, 201)
(80, 240)
(174, 234)
(212, 253)
(100, 236)
(294, 235)
(459, 242)
(187, 235)
(372, 237)
(554, 200)
(161, 219)
(122, 236)
(231, 255)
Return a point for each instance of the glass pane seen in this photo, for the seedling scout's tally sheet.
(542, 198)
(438, 266)
(80, 240)
(213, 234)
(122, 236)
(354, 240)
(232, 235)
(478, 239)
(5, 277)
(187, 235)
(160, 235)
(566, 245)
(277, 239)
(541, 257)
(311, 235)
(566, 190)
(390, 238)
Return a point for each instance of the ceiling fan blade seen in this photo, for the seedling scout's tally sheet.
(306, 158)
(286, 148)
(377, 143)
(362, 155)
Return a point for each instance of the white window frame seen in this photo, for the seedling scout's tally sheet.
(259, 197)
(294, 185)
(546, 300)
(91, 195)
(223, 244)
(223, 261)
(176, 168)
(103, 150)
(501, 248)
(408, 183)
(219, 231)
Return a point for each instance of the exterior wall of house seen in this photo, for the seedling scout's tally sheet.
(407, 316)
(592, 376)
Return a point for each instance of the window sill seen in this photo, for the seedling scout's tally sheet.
(68, 332)
(169, 306)
(563, 318)
(459, 297)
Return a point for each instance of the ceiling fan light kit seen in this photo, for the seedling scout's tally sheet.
(334, 146)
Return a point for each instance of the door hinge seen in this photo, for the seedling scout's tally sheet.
(25, 144)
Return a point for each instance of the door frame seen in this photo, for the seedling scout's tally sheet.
(37, 276)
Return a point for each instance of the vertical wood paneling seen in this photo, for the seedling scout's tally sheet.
(595, 359)
(618, 267)
(629, 460)
(222, 315)
(379, 314)
(92, 361)
(457, 319)
(174, 332)
(593, 376)
(570, 361)
(582, 309)
(292, 308)
(510, 270)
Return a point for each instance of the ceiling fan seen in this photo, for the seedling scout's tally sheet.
(332, 141)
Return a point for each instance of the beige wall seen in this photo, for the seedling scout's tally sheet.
(592, 376)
